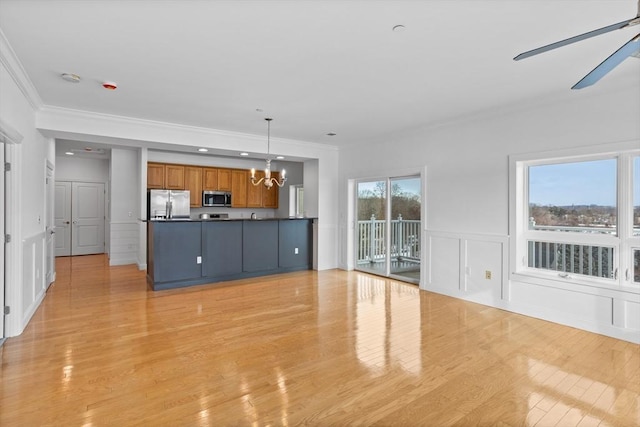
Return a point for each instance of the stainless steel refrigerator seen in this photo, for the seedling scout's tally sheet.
(167, 204)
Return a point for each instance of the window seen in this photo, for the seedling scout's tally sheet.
(578, 217)
(296, 201)
(578, 197)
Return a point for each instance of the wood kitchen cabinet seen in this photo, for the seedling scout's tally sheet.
(174, 177)
(239, 188)
(155, 175)
(198, 178)
(210, 179)
(216, 179)
(193, 183)
(254, 192)
(225, 179)
(270, 196)
(259, 196)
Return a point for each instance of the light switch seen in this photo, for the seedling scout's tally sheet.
(295, 251)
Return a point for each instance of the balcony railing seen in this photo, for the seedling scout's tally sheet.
(588, 260)
(405, 240)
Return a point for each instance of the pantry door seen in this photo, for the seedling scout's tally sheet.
(79, 218)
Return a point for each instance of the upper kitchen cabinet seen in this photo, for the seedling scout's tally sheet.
(239, 188)
(270, 195)
(210, 179)
(216, 179)
(254, 192)
(193, 183)
(155, 175)
(174, 177)
(225, 180)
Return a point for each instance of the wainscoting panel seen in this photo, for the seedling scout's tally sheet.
(483, 270)
(563, 304)
(443, 263)
(631, 315)
(34, 284)
(471, 267)
(476, 268)
(124, 240)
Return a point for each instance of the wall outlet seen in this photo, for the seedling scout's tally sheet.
(295, 251)
(487, 274)
(199, 260)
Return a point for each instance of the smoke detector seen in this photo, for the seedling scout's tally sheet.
(110, 85)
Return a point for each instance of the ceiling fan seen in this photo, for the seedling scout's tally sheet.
(631, 48)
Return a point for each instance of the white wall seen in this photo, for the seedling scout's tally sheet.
(25, 267)
(467, 204)
(124, 207)
(72, 168)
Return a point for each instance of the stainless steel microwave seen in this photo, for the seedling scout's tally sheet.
(216, 198)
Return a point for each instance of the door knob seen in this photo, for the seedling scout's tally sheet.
(52, 232)
(75, 222)
(66, 222)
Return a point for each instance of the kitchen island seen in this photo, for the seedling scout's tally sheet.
(186, 252)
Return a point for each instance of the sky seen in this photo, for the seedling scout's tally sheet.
(579, 183)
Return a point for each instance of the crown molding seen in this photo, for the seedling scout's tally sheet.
(116, 121)
(14, 67)
(8, 134)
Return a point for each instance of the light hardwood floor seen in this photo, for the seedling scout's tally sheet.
(329, 348)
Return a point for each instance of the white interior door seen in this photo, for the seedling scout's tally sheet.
(87, 218)
(79, 218)
(2, 233)
(62, 218)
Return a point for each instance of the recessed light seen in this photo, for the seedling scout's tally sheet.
(279, 157)
(70, 77)
(331, 134)
(69, 153)
(202, 150)
(398, 28)
(244, 154)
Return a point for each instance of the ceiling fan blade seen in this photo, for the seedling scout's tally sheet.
(628, 49)
(573, 39)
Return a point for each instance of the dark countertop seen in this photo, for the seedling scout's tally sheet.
(224, 219)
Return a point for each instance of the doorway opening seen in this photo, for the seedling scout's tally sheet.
(388, 227)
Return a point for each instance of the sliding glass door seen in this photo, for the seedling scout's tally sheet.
(371, 227)
(388, 228)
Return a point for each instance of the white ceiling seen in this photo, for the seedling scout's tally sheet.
(314, 66)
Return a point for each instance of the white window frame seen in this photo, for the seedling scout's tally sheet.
(623, 242)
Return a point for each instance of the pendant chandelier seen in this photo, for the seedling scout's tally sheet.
(267, 180)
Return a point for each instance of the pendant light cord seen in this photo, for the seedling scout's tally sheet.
(268, 119)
